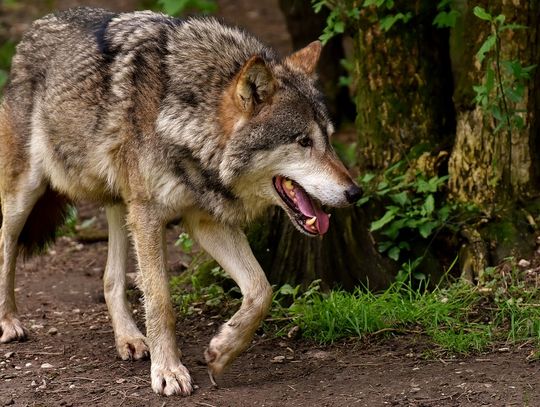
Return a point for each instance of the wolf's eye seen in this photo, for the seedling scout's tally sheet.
(305, 142)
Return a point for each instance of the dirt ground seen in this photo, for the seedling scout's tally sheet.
(70, 358)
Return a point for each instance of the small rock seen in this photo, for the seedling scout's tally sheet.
(18, 367)
(120, 381)
(37, 326)
(278, 359)
(415, 389)
(93, 327)
(76, 311)
(28, 364)
(71, 386)
(504, 349)
(52, 331)
(8, 354)
(33, 384)
(46, 366)
(524, 263)
(293, 332)
(319, 354)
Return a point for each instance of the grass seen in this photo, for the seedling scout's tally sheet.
(461, 318)
(458, 317)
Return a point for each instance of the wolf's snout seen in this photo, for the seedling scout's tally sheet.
(353, 194)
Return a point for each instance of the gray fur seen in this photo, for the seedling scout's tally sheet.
(155, 118)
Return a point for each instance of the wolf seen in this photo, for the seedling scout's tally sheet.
(157, 118)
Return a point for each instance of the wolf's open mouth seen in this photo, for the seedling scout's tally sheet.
(306, 212)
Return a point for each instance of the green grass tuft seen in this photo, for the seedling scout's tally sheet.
(460, 318)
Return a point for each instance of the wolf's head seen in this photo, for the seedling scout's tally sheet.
(276, 130)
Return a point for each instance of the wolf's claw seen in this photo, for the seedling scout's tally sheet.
(212, 380)
(11, 329)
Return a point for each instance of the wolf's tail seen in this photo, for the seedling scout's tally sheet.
(48, 214)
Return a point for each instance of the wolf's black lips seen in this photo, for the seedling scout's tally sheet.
(302, 209)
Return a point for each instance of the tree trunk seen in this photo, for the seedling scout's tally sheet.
(305, 26)
(486, 167)
(404, 85)
(498, 171)
(345, 257)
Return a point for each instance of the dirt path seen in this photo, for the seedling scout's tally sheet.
(77, 366)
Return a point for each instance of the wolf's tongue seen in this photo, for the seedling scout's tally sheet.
(307, 208)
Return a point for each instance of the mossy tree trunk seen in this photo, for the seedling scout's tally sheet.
(489, 168)
(498, 171)
(403, 85)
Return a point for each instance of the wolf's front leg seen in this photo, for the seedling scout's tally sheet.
(230, 248)
(169, 376)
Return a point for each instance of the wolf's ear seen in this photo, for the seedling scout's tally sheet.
(255, 84)
(305, 60)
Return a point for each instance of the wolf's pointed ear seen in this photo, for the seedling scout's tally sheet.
(255, 84)
(305, 60)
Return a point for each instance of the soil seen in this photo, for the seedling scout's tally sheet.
(70, 358)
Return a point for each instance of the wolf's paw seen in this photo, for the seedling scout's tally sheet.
(132, 347)
(171, 380)
(223, 349)
(11, 329)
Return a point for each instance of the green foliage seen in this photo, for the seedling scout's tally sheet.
(286, 298)
(460, 318)
(203, 287)
(338, 18)
(69, 228)
(346, 152)
(185, 242)
(7, 50)
(176, 7)
(446, 16)
(344, 13)
(346, 80)
(412, 207)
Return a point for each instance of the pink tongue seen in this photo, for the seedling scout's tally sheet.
(307, 208)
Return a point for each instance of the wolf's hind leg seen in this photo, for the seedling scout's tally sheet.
(230, 248)
(130, 342)
(16, 207)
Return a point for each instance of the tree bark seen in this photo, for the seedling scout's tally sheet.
(345, 257)
(404, 85)
(305, 26)
(484, 168)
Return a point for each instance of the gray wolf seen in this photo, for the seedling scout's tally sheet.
(155, 118)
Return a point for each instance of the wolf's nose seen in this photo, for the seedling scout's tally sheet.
(353, 194)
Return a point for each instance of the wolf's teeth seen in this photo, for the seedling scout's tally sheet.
(292, 193)
(329, 215)
(311, 221)
(288, 184)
